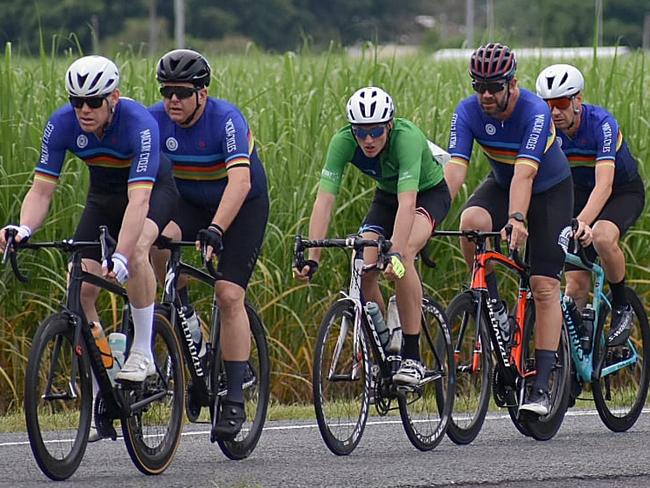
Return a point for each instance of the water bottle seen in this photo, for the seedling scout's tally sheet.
(378, 321)
(573, 313)
(193, 324)
(117, 341)
(102, 344)
(588, 317)
(394, 327)
(501, 315)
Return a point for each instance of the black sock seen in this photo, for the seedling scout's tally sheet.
(544, 361)
(493, 290)
(411, 348)
(618, 293)
(235, 371)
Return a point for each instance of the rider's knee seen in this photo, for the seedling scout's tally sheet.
(545, 290)
(604, 237)
(229, 296)
(475, 218)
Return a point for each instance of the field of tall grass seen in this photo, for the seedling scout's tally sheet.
(294, 103)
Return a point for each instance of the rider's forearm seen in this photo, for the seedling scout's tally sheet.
(403, 221)
(455, 172)
(521, 189)
(133, 221)
(36, 205)
(600, 194)
(320, 220)
(237, 189)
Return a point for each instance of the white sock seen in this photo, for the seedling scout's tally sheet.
(142, 325)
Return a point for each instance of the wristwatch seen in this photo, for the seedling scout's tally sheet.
(518, 216)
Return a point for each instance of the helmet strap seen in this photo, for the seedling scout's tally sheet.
(188, 120)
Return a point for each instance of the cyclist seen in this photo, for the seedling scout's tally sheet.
(224, 202)
(410, 199)
(609, 193)
(131, 192)
(530, 182)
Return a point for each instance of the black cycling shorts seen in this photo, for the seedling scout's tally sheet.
(623, 208)
(242, 241)
(433, 204)
(549, 221)
(108, 209)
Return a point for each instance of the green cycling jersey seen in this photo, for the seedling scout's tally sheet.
(405, 164)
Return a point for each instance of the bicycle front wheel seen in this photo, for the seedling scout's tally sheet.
(58, 399)
(153, 432)
(622, 385)
(256, 391)
(341, 379)
(473, 365)
(426, 408)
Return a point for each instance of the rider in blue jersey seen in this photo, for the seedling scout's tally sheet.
(224, 203)
(609, 192)
(530, 182)
(131, 192)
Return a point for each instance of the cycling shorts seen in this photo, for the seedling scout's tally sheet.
(108, 209)
(623, 208)
(549, 221)
(242, 241)
(433, 204)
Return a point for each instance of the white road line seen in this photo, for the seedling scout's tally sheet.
(492, 416)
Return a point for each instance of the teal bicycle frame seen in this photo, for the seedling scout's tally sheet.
(584, 362)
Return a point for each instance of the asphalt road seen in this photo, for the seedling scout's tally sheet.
(583, 454)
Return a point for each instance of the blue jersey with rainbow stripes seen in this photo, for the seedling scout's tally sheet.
(128, 155)
(202, 154)
(526, 137)
(598, 141)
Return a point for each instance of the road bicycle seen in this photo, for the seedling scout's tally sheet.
(58, 395)
(618, 375)
(487, 363)
(207, 384)
(351, 367)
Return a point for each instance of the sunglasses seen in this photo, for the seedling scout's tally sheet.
(92, 102)
(374, 132)
(491, 87)
(561, 103)
(181, 92)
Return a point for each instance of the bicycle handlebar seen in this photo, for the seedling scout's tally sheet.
(164, 242)
(352, 242)
(578, 250)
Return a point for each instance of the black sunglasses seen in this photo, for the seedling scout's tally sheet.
(92, 102)
(181, 92)
(491, 87)
(375, 132)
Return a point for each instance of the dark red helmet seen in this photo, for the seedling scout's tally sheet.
(493, 61)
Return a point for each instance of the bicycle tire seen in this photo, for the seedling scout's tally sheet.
(545, 427)
(153, 433)
(57, 429)
(342, 405)
(425, 410)
(473, 370)
(256, 391)
(610, 405)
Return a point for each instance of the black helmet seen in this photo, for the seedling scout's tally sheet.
(493, 61)
(184, 65)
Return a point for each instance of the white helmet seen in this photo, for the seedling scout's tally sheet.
(370, 105)
(92, 76)
(559, 80)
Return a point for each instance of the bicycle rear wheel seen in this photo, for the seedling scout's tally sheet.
(426, 408)
(341, 379)
(473, 365)
(256, 391)
(545, 427)
(622, 385)
(57, 404)
(153, 432)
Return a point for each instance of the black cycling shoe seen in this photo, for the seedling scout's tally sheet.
(537, 402)
(621, 326)
(231, 419)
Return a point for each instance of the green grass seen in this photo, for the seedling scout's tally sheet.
(294, 103)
